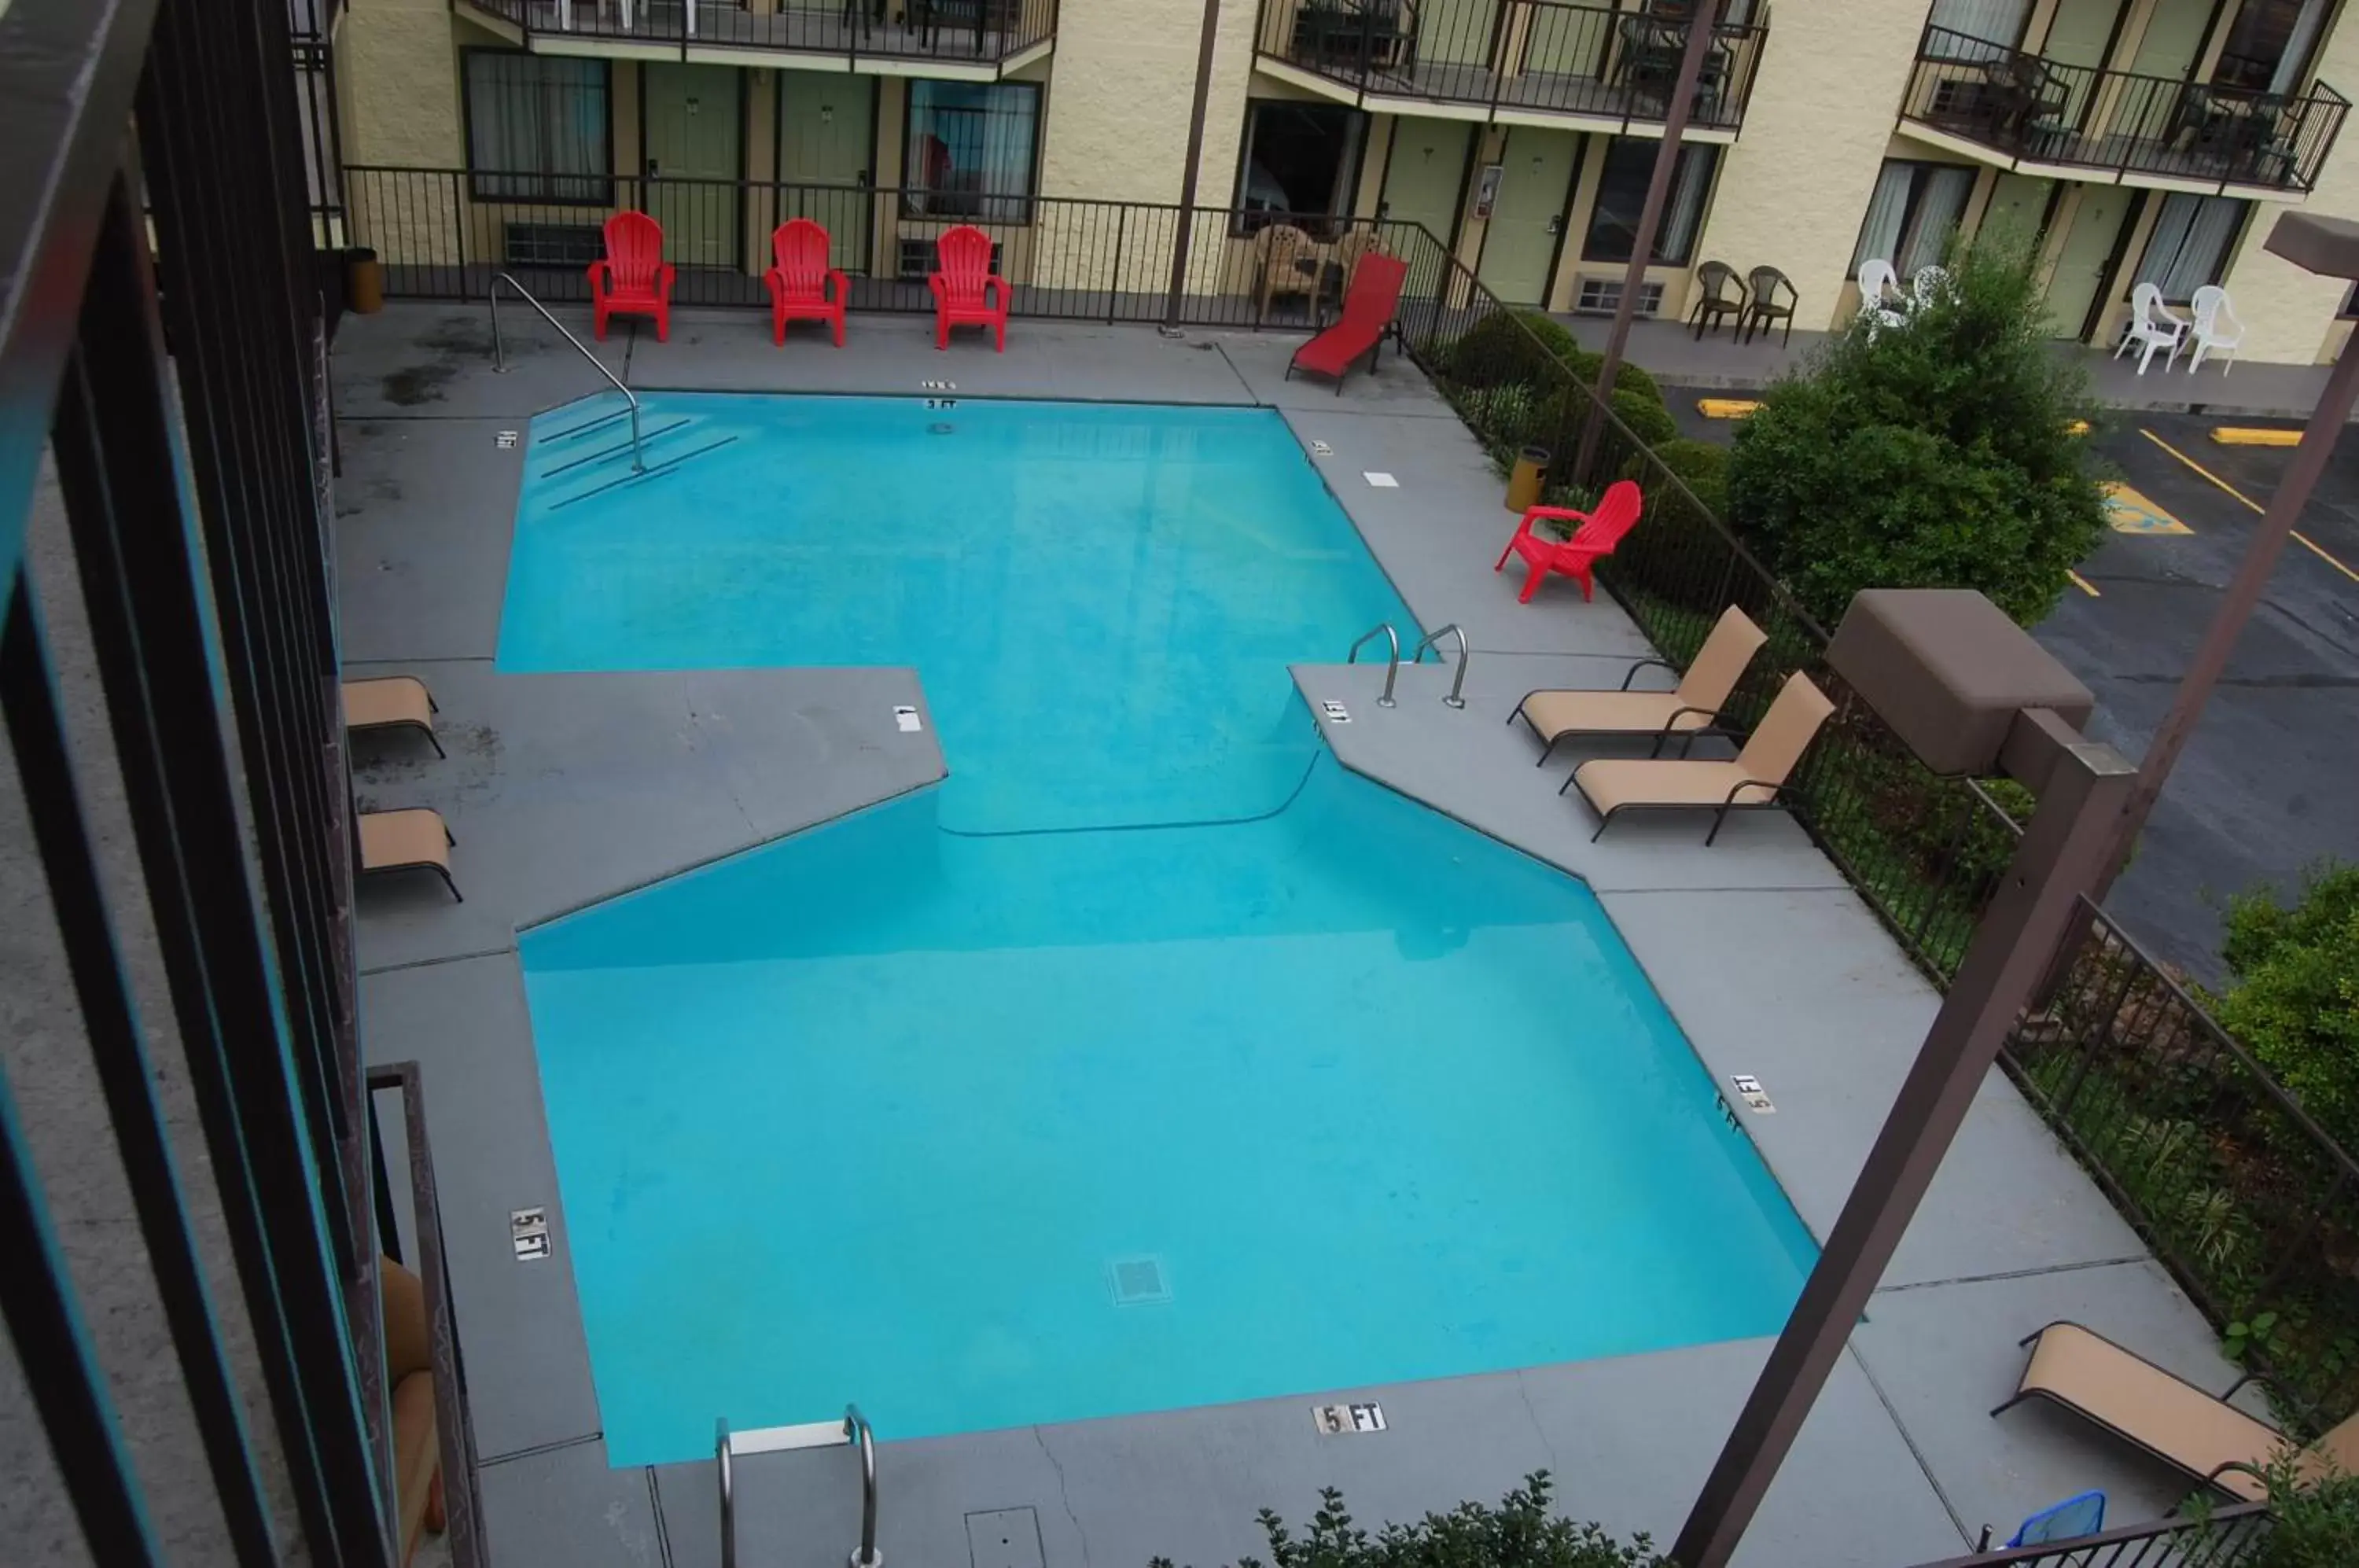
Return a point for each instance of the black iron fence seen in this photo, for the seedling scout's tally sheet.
(2248, 1201)
(1593, 61)
(442, 233)
(952, 32)
(2080, 117)
(2230, 1536)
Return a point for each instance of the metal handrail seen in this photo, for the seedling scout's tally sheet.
(856, 1430)
(500, 357)
(1458, 681)
(1392, 667)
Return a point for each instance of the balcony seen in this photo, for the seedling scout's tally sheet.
(1514, 62)
(2000, 105)
(954, 39)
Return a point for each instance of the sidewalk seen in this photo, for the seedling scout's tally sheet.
(1718, 362)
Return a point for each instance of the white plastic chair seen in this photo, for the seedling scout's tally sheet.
(1879, 291)
(2214, 327)
(2153, 326)
(1929, 282)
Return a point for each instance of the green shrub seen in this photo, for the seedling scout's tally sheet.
(1518, 1533)
(1703, 467)
(1928, 455)
(1527, 346)
(2313, 1523)
(2293, 993)
(1644, 413)
(1630, 378)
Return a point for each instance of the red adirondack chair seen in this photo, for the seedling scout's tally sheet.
(967, 293)
(1368, 310)
(1591, 542)
(633, 280)
(802, 286)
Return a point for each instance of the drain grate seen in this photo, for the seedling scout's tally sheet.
(1137, 1281)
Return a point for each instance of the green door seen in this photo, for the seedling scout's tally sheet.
(1424, 176)
(827, 128)
(2173, 36)
(2088, 248)
(2018, 203)
(694, 131)
(1535, 189)
(2078, 36)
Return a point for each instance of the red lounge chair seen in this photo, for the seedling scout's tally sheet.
(1594, 540)
(801, 283)
(1368, 310)
(967, 293)
(634, 279)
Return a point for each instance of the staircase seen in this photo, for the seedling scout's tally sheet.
(592, 455)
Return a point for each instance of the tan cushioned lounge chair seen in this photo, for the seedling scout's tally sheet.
(391, 701)
(1689, 711)
(1755, 779)
(2169, 1417)
(413, 840)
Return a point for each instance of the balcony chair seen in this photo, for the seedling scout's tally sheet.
(1356, 36)
(1290, 263)
(1755, 780)
(967, 292)
(1591, 542)
(1691, 711)
(2152, 326)
(1881, 300)
(633, 278)
(802, 286)
(1368, 311)
(1765, 308)
(2213, 328)
(1713, 280)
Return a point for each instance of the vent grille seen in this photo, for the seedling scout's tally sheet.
(1603, 296)
(1137, 1281)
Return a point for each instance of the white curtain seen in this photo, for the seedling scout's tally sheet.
(1941, 201)
(1690, 178)
(1880, 235)
(1996, 22)
(537, 118)
(970, 148)
(2190, 241)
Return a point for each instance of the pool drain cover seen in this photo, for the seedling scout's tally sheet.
(1139, 1281)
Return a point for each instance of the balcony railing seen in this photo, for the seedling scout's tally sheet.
(2036, 111)
(2229, 1537)
(947, 32)
(1588, 60)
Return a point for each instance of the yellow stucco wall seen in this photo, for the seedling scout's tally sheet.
(2288, 313)
(1124, 74)
(1795, 186)
(401, 62)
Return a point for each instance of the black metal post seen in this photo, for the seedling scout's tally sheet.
(1206, 38)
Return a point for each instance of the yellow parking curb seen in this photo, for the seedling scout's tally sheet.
(1725, 408)
(2254, 435)
(2083, 585)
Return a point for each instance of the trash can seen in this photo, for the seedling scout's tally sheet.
(364, 282)
(1524, 485)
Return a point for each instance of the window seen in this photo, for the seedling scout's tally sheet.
(2269, 43)
(968, 150)
(1298, 158)
(536, 128)
(1914, 212)
(2189, 247)
(1621, 197)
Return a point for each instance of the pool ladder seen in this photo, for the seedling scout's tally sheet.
(1393, 659)
(852, 1429)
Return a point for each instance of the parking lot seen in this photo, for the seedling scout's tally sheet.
(2270, 781)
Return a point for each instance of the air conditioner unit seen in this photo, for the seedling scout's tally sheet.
(916, 259)
(1603, 296)
(551, 245)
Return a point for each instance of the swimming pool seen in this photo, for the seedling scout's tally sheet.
(1154, 1059)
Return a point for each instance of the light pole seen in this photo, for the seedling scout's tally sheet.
(1969, 693)
(2329, 247)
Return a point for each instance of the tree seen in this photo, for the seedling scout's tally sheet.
(2293, 994)
(1933, 453)
(1519, 1533)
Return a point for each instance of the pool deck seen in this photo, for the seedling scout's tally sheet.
(563, 789)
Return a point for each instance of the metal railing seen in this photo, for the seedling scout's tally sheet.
(1392, 657)
(854, 1430)
(1458, 681)
(500, 356)
(2038, 110)
(1590, 61)
(951, 33)
(2242, 1194)
(2232, 1535)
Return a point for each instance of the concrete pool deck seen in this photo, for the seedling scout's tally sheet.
(563, 789)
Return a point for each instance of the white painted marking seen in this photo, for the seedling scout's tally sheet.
(905, 719)
(1348, 1421)
(784, 1439)
(1320, 449)
(1335, 712)
(1382, 481)
(1748, 1089)
(528, 1233)
(505, 440)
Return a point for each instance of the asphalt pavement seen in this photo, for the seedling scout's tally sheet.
(2269, 783)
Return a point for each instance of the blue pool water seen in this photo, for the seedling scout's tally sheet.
(1264, 1082)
